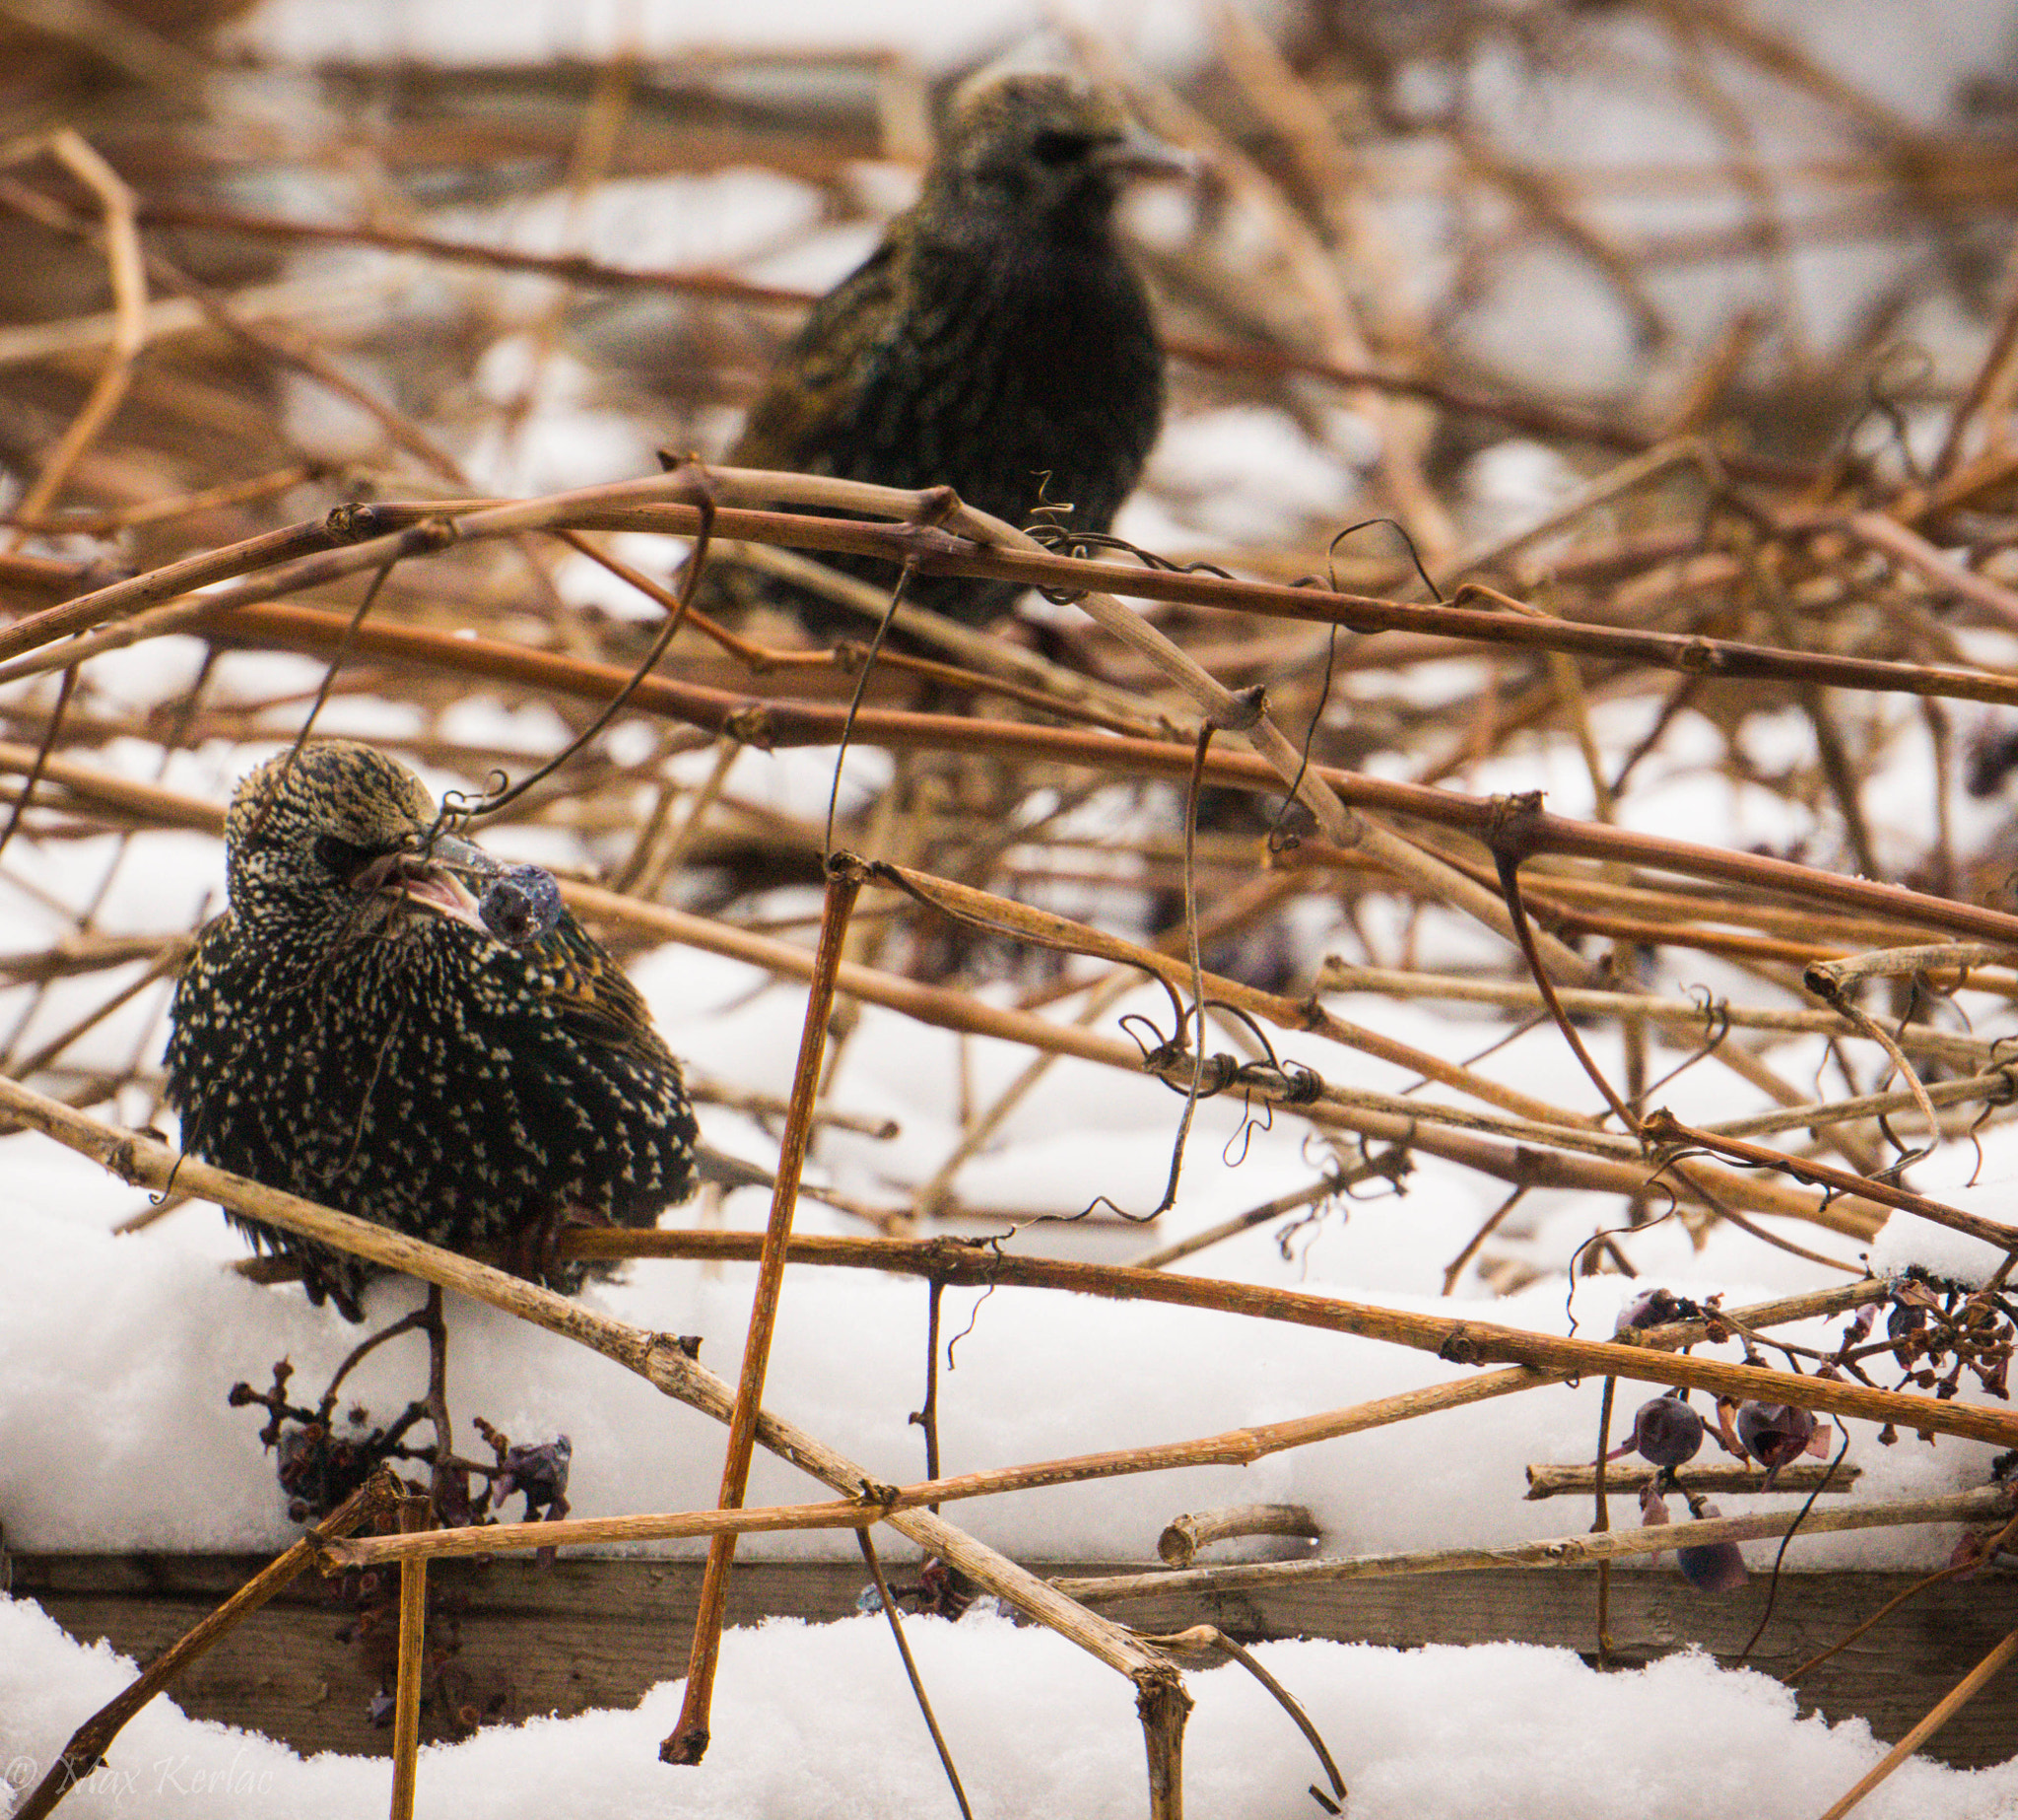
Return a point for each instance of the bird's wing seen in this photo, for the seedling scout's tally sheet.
(591, 994)
(822, 368)
(202, 1035)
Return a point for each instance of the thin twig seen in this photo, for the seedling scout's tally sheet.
(1958, 1697)
(888, 1606)
(414, 1516)
(87, 1746)
(688, 1742)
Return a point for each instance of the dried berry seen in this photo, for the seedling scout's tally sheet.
(521, 907)
(1651, 1307)
(1715, 1566)
(1774, 1434)
(1667, 1432)
(539, 1474)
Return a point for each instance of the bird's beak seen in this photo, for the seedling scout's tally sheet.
(429, 882)
(1139, 152)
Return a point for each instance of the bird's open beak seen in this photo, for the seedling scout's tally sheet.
(1139, 152)
(431, 882)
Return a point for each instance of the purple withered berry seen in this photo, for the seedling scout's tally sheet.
(1651, 1307)
(1774, 1434)
(521, 905)
(1715, 1566)
(538, 1474)
(1668, 1431)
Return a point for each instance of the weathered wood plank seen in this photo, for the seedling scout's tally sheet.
(600, 1633)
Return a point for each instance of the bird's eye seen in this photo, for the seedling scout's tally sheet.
(343, 857)
(1052, 147)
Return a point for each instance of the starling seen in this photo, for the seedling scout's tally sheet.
(998, 340)
(390, 1021)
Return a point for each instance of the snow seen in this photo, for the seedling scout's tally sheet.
(815, 1719)
(1250, 475)
(1039, 1376)
(1513, 485)
(816, 1722)
(534, 30)
(1985, 1186)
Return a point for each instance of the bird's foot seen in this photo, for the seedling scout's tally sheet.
(534, 1251)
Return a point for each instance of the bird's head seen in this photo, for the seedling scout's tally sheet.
(338, 834)
(1043, 145)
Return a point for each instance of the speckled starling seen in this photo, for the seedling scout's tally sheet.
(352, 1029)
(997, 334)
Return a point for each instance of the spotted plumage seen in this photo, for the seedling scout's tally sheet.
(349, 1029)
(997, 334)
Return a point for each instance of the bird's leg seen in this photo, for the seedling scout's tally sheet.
(346, 1301)
(535, 1249)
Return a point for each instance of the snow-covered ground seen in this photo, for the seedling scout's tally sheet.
(817, 1721)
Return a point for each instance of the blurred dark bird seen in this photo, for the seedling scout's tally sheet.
(403, 1027)
(997, 341)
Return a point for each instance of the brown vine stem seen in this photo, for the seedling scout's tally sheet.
(1821, 983)
(1680, 1013)
(413, 1629)
(946, 551)
(1665, 1128)
(641, 505)
(1581, 1550)
(1624, 1476)
(871, 1507)
(688, 1742)
(781, 721)
(952, 898)
(86, 523)
(1829, 978)
(126, 272)
(1184, 1537)
(1464, 1342)
(1996, 1088)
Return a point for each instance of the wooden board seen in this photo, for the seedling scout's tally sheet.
(590, 1633)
